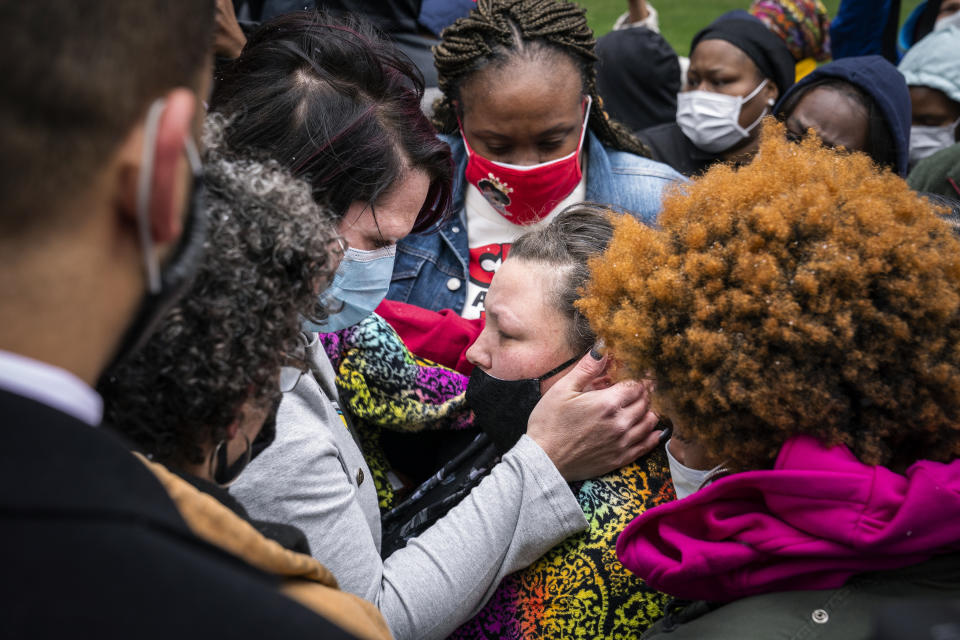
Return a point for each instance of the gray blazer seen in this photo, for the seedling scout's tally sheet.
(314, 477)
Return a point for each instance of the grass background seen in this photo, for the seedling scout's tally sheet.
(681, 19)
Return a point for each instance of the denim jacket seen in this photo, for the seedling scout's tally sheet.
(431, 268)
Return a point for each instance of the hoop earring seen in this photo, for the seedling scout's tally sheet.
(223, 473)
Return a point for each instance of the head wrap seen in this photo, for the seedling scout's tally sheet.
(739, 14)
(802, 24)
(767, 51)
(933, 62)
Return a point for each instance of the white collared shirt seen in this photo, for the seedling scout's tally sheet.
(50, 385)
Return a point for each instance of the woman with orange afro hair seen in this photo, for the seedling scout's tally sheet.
(801, 318)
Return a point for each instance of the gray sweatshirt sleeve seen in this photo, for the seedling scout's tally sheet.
(313, 475)
(444, 576)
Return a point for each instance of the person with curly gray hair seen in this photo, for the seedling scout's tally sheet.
(205, 382)
(200, 398)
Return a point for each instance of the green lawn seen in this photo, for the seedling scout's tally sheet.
(681, 19)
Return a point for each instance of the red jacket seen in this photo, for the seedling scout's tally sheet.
(440, 336)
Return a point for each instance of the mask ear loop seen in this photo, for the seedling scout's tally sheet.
(144, 187)
(588, 104)
(193, 156)
(463, 136)
(750, 96)
(224, 473)
(753, 94)
(566, 364)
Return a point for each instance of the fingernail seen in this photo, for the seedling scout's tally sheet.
(665, 434)
(595, 350)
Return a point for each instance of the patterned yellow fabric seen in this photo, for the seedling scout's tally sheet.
(579, 589)
(385, 386)
(804, 67)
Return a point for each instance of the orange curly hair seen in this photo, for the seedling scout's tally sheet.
(808, 292)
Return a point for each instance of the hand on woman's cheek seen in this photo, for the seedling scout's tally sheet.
(589, 433)
(610, 377)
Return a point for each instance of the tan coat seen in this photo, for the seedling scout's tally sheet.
(304, 579)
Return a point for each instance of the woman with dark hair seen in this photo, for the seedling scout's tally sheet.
(738, 70)
(340, 108)
(529, 136)
(199, 399)
(860, 104)
(801, 317)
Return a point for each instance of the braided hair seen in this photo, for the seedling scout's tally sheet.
(497, 31)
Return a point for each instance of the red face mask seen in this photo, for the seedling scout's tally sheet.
(525, 194)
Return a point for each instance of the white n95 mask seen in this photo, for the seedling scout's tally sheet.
(712, 120)
(687, 481)
(926, 141)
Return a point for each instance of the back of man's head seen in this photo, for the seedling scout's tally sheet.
(77, 77)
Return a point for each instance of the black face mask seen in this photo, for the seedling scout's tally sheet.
(176, 274)
(225, 473)
(268, 432)
(503, 407)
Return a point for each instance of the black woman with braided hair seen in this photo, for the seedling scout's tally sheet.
(529, 136)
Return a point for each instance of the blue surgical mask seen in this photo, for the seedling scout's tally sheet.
(360, 284)
(926, 141)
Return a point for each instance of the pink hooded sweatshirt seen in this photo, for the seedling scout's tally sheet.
(818, 518)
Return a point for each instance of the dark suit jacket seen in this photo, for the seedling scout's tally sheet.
(92, 547)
